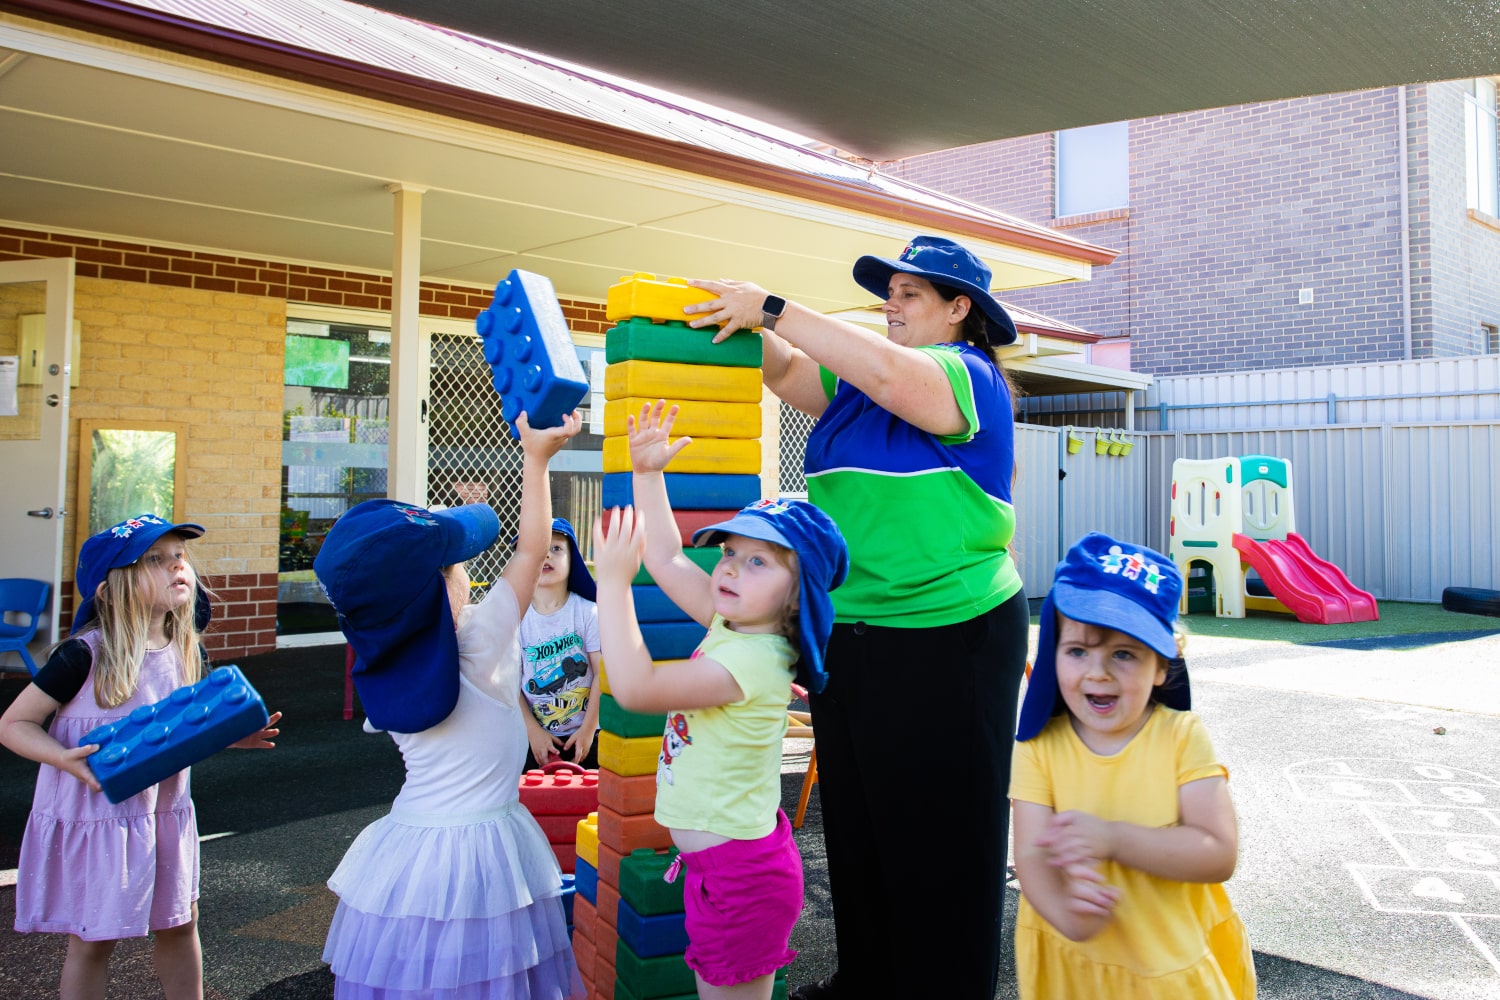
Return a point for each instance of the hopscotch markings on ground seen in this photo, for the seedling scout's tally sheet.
(1443, 822)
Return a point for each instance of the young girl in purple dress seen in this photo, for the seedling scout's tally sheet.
(90, 869)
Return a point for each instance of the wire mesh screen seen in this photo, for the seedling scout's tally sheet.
(472, 457)
(791, 441)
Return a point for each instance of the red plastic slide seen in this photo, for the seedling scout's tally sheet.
(1315, 589)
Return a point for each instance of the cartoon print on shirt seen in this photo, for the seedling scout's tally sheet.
(673, 742)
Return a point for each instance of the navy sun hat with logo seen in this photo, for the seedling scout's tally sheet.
(381, 567)
(822, 565)
(942, 262)
(1114, 585)
(119, 546)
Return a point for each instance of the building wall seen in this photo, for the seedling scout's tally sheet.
(197, 337)
(1465, 248)
(1234, 211)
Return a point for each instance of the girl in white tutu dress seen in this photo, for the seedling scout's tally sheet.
(456, 894)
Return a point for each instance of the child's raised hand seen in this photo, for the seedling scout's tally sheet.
(544, 442)
(617, 556)
(1075, 838)
(651, 446)
(74, 762)
(261, 740)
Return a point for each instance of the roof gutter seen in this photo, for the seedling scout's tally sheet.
(205, 41)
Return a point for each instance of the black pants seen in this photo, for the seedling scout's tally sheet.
(914, 735)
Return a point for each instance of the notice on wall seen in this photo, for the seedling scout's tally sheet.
(10, 367)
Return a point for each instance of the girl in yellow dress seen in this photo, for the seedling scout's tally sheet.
(1124, 830)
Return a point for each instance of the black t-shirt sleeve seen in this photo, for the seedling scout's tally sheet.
(62, 676)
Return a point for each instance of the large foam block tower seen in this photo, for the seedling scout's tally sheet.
(629, 934)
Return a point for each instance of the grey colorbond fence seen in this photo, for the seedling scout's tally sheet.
(1403, 509)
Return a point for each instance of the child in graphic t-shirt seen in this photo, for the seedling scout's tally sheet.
(560, 657)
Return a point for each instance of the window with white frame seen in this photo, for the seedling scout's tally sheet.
(1093, 168)
(1481, 146)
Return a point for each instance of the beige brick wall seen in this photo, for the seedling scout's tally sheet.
(211, 361)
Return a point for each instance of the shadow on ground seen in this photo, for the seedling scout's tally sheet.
(276, 823)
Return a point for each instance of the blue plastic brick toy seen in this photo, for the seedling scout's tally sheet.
(530, 352)
(156, 741)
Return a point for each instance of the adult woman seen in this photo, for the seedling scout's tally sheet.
(912, 457)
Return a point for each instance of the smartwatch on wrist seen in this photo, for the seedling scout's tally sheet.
(771, 310)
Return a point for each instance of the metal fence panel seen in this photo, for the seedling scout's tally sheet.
(1035, 496)
(1444, 495)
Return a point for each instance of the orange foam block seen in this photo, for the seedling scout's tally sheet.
(628, 795)
(609, 865)
(585, 921)
(609, 905)
(628, 833)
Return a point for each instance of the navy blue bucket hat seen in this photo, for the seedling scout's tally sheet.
(580, 581)
(942, 262)
(381, 567)
(822, 565)
(1114, 585)
(119, 546)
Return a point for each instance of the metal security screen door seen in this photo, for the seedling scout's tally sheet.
(472, 458)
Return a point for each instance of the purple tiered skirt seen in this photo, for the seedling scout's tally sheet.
(452, 908)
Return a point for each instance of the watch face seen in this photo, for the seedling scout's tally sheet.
(774, 305)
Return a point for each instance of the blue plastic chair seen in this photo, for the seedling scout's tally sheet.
(21, 597)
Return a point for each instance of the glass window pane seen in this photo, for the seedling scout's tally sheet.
(335, 434)
(1093, 168)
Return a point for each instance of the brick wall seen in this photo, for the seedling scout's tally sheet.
(1233, 211)
(198, 338)
(1465, 250)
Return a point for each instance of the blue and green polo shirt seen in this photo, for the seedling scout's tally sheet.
(927, 518)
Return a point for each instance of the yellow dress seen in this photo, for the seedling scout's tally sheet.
(1168, 939)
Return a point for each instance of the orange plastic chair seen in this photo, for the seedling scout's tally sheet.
(799, 727)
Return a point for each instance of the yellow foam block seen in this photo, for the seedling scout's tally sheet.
(710, 418)
(723, 456)
(604, 672)
(628, 755)
(655, 298)
(664, 380)
(587, 843)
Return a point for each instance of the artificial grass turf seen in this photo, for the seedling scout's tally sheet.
(1395, 619)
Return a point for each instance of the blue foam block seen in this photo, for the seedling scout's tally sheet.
(688, 490)
(569, 890)
(653, 605)
(530, 352)
(652, 937)
(586, 879)
(156, 741)
(672, 640)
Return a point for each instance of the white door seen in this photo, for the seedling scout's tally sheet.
(34, 442)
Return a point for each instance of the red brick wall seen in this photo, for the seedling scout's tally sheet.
(120, 260)
(242, 530)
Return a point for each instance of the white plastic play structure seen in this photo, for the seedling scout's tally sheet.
(1232, 516)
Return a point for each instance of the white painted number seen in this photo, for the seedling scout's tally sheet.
(1433, 887)
(1434, 772)
(1458, 793)
(1471, 852)
(1352, 789)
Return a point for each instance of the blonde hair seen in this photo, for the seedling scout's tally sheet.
(787, 623)
(122, 611)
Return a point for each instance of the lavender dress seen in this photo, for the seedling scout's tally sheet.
(104, 871)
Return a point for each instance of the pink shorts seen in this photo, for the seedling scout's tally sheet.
(742, 899)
